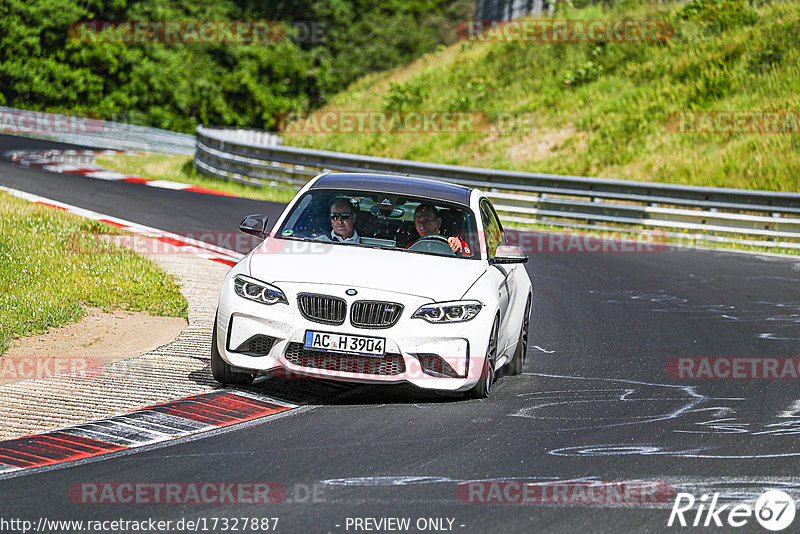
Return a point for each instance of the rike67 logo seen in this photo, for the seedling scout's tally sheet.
(774, 510)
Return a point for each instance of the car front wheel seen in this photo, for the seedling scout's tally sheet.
(483, 387)
(514, 367)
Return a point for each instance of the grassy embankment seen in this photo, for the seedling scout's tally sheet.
(602, 110)
(53, 264)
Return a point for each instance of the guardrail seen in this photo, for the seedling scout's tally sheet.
(765, 218)
(93, 132)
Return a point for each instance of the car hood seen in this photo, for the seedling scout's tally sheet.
(439, 278)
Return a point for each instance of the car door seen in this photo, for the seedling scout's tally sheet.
(501, 275)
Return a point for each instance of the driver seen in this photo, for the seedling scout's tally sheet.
(343, 223)
(428, 222)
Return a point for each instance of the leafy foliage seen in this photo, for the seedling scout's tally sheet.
(404, 96)
(176, 86)
(718, 15)
(587, 71)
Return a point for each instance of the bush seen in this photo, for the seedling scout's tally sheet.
(404, 96)
(718, 15)
(766, 57)
(475, 91)
(588, 71)
(773, 44)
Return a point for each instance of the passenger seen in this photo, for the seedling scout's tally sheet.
(343, 223)
(428, 222)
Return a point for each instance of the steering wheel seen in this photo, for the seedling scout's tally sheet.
(437, 244)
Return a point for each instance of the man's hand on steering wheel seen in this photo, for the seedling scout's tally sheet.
(455, 244)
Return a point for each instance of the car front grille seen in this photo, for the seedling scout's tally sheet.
(322, 308)
(389, 364)
(375, 314)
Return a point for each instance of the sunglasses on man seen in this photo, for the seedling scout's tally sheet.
(342, 216)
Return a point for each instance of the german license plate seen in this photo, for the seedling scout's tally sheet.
(332, 342)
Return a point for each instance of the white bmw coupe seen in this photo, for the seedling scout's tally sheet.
(377, 279)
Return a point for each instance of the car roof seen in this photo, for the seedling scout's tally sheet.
(390, 183)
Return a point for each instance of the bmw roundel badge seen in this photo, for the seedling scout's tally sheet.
(351, 292)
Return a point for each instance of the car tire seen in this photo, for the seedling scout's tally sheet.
(222, 371)
(514, 367)
(482, 389)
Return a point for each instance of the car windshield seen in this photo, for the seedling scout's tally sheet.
(383, 220)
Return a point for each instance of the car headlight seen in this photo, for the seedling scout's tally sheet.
(258, 291)
(448, 312)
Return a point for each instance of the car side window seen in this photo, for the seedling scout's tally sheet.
(494, 232)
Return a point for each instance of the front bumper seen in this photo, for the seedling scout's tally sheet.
(446, 357)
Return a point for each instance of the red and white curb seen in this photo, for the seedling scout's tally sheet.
(182, 244)
(153, 424)
(45, 160)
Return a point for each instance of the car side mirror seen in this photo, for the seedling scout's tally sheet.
(509, 253)
(255, 225)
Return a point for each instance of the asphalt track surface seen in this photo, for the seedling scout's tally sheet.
(596, 402)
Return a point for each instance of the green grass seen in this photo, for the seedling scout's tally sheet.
(592, 109)
(53, 264)
(181, 169)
